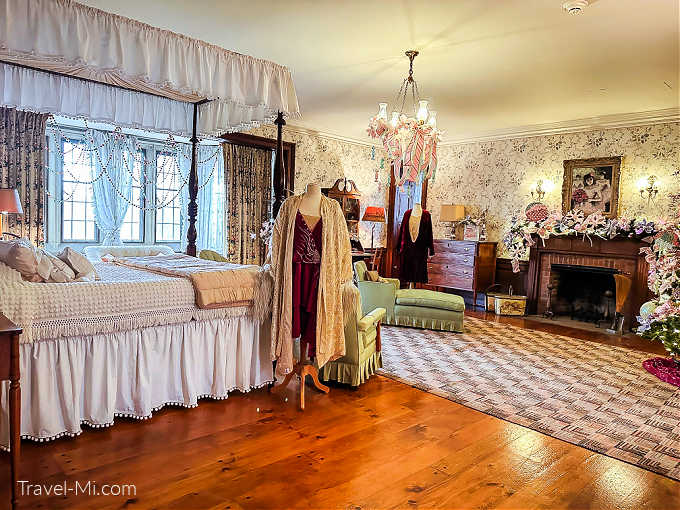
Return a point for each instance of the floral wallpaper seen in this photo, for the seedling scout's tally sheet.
(498, 176)
(324, 159)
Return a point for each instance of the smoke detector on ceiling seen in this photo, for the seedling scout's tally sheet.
(575, 7)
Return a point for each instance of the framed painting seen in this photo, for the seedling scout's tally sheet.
(592, 185)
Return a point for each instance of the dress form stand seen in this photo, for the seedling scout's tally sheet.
(414, 226)
(302, 369)
(309, 206)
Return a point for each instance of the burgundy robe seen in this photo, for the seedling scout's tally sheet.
(413, 255)
(306, 272)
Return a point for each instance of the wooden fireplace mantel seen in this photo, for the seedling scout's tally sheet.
(619, 253)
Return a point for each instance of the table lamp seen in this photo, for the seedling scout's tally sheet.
(9, 203)
(452, 213)
(376, 215)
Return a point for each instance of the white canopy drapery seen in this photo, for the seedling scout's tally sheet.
(69, 38)
(41, 92)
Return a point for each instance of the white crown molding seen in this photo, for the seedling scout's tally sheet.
(313, 132)
(622, 120)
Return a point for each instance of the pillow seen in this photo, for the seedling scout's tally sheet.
(22, 255)
(79, 263)
(372, 276)
(61, 271)
(7, 274)
(88, 277)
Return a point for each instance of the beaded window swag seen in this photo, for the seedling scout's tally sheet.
(131, 155)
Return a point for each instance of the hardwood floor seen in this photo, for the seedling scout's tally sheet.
(385, 445)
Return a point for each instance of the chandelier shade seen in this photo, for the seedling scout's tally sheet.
(410, 142)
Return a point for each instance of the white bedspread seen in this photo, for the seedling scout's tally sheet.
(124, 299)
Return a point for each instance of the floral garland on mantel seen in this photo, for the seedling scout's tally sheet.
(538, 221)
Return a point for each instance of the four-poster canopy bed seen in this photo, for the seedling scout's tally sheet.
(64, 58)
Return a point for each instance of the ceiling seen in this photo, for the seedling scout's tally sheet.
(487, 66)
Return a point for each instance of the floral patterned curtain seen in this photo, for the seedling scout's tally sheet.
(248, 182)
(22, 167)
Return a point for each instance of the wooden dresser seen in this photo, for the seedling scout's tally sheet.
(463, 265)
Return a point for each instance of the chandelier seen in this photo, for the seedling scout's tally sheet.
(410, 142)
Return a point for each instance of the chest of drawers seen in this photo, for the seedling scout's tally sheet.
(463, 265)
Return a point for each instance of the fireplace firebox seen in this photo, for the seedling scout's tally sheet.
(621, 254)
(583, 293)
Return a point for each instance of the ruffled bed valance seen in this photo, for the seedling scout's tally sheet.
(66, 37)
(41, 92)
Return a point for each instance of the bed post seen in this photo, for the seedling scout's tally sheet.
(279, 178)
(193, 190)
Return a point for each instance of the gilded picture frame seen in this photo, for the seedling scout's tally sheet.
(592, 185)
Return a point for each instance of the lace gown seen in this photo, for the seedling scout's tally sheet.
(306, 271)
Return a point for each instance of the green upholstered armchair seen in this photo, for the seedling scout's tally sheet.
(362, 348)
(381, 294)
(212, 255)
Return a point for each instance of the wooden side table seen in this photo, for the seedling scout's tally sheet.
(9, 369)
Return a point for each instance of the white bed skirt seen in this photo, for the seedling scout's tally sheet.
(67, 382)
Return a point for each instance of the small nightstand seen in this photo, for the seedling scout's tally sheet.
(9, 370)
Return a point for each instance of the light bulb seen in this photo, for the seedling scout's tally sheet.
(395, 119)
(642, 183)
(382, 112)
(433, 119)
(422, 111)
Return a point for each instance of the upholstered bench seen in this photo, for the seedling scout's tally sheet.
(410, 307)
(429, 309)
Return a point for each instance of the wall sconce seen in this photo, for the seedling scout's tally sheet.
(542, 187)
(648, 187)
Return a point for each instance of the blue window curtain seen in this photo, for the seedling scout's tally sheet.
(210, 219)
(112, 181)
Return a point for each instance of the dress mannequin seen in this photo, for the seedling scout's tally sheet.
(311, 200)
(415, 245)
(414, 221)
(309, 209)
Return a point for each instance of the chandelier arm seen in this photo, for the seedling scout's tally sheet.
(401, 92)
(403, 99)
(413, 94)
(415, 83)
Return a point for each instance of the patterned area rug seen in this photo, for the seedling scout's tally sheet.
(588, 394)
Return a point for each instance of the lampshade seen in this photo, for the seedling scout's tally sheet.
(9, 201)
(395, 119)
(451, 212)
(376, 214)
(421, 115)
(382, 112)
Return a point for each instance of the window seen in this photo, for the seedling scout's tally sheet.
(156, 182)
(77, 216)
(168, 182)
(132, 229)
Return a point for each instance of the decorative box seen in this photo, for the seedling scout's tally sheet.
(506, 304)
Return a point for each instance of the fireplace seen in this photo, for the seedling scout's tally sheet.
(611, 256)
(583, 293)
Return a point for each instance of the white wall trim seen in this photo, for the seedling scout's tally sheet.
(313, 132)
(622, 120)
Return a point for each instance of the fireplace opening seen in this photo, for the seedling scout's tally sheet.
(582, 293)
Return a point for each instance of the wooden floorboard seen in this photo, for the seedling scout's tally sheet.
(383, 446)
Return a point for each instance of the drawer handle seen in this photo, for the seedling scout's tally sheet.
(467, 249)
